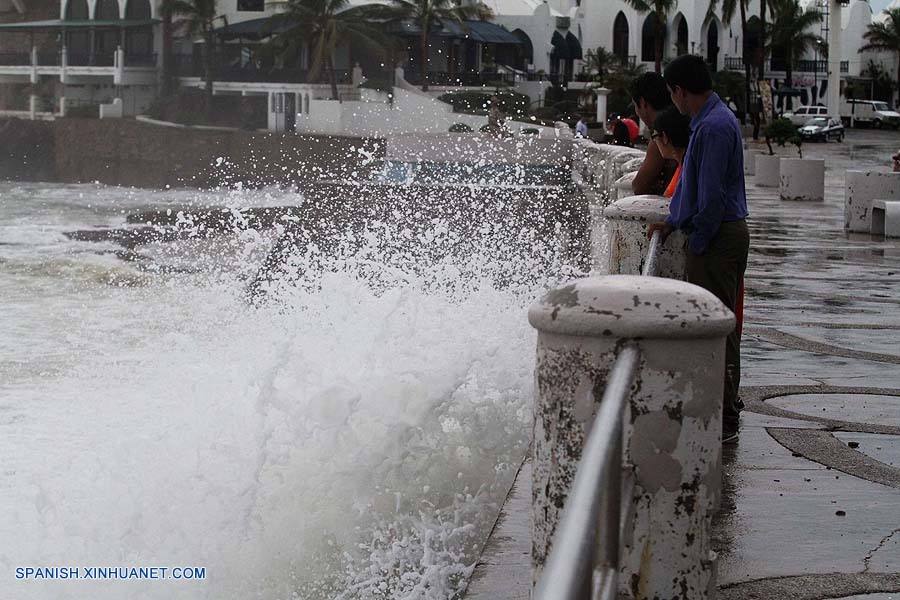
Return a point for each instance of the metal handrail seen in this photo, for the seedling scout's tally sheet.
(593, 511)
(651, 263)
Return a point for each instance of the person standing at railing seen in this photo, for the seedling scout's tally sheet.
(671, 134)
(650, 96)
(710, 206)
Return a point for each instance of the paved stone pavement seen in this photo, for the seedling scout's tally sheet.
(811, 502)
(811, 507)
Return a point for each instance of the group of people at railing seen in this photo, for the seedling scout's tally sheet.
(695, 156)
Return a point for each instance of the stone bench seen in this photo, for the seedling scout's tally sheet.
(886, 218)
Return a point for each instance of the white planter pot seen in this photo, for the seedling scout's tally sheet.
(803, 179)
(750, 161)
(768, 171)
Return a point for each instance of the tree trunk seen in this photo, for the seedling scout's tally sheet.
(208, 68)
(332, 76)
(746, 61)
(423, 66)
(168, 87)
(898, 79)
(660, 40)
(761, 74)
(789, 76)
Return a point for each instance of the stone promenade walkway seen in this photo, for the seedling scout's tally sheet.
(811, 502)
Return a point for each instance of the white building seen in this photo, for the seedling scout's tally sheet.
(108, 52)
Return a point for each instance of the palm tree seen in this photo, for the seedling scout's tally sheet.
(728, 8)
(322, 25)
(197, 18)
(430, 13)
(660, 10)
(602, 61)
(167, 42)
(791, 33)
(886, 36)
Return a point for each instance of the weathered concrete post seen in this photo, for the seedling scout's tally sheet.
(628, 244)
(673, 431)
(768, 170)
(862, 187)
(802, 179)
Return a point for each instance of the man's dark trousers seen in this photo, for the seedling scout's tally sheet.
(721, 271)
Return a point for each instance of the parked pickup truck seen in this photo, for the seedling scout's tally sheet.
(873, 113)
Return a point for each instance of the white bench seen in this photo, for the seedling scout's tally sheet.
(886, 218)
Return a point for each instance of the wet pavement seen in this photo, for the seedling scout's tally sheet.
(811, 502)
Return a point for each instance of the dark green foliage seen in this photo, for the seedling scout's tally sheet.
(479, 103)
(782, 131)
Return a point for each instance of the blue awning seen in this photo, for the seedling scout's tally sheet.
(484, 32)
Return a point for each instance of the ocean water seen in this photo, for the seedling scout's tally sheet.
(351, 437)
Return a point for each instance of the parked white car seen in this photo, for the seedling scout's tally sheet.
(869, 112)
(803, 114)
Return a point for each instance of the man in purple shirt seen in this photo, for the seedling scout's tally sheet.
(710, 205)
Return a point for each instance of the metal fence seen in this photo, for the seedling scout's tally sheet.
(586, 553)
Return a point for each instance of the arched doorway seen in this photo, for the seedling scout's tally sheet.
(139, 40)
(648, 39)
(620, 36)
(712, 45)
(107, 10)
(77, 10)
(681, 36)
(525, 50)
(106, 40)
(78, 41)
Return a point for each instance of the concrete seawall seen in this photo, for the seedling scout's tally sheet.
(130, 153)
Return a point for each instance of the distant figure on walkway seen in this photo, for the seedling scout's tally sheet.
(650, 95)
(710, 206)
(621, 135)
(581, 129)
(496, 125)
(896, 159)
(634, 130)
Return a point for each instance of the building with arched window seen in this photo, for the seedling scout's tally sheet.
(109, 52)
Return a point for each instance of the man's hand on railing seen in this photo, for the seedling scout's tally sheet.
(664, 230)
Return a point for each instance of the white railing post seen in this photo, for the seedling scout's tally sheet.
(862, 187)
(34, 65)
(628, 219)
(672, 430)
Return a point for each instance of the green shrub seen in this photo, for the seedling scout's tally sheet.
(460, 128)
(782, 131)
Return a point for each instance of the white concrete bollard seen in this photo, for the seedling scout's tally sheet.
(622, 187)
(672, 430)
(628, 219)
(633, 165)
(750, 161)
(861, 188)
(802, 179)
(768, 170)
(886, 218)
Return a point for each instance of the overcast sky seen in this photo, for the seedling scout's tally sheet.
(879, 5)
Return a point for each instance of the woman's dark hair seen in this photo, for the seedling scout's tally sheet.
(652, 88)
(675, 125)
(690, 72)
